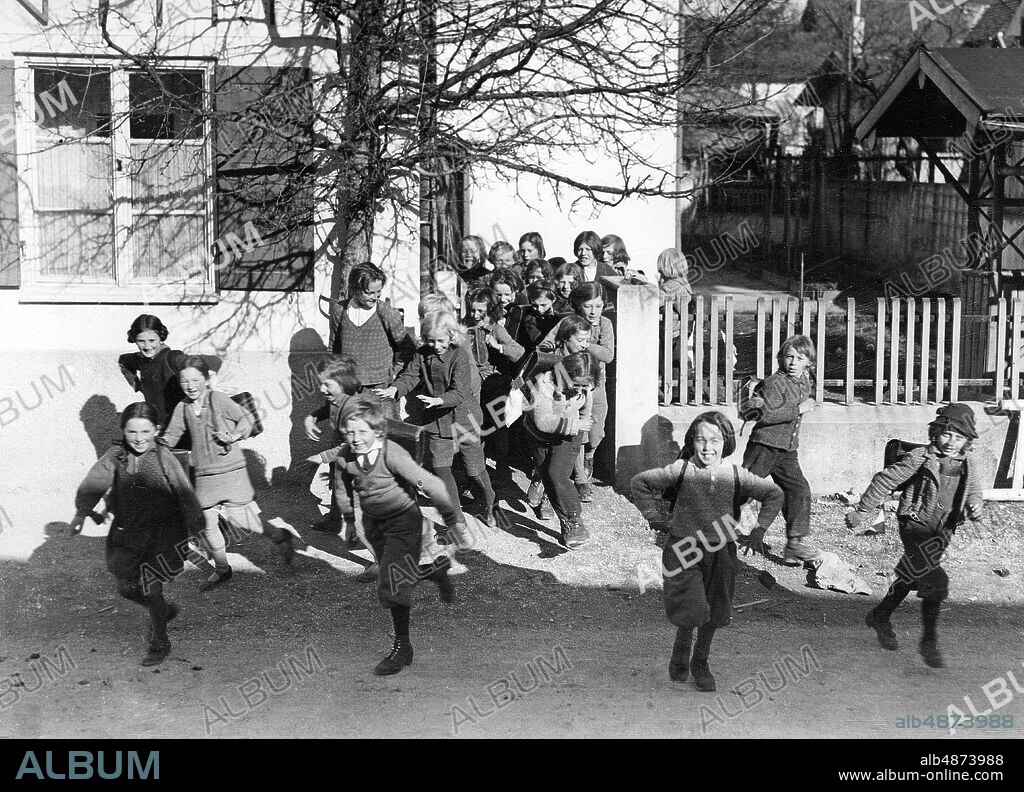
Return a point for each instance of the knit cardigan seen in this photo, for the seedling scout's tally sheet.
(920, 467)
(219, 413)
(775, 405)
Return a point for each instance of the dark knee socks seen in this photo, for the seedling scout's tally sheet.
(480, 486)
(157, 606)
(400, 618)
(930, 617)
(898, 592)
(445, 474)
(702, 647)
(683, 642)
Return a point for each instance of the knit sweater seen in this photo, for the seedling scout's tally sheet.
(156, 378)
(383, 489)
(602, 341)
(337, 413)
(920, 500)
(380, 346)
(453, 378)
(490, 360)
(219, 413)
(704, 503)
(153, 504)
(775, 405)
(552, 415)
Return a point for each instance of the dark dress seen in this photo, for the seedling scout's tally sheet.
(156, 378)
(154, 507)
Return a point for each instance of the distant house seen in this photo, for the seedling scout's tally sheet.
(999, 25)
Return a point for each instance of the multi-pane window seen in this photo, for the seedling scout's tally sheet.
(118, 202)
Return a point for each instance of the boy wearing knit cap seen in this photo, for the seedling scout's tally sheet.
(942, 487)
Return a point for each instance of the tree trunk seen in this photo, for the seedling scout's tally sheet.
(359, 153)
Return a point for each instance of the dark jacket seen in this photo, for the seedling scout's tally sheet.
(154, 508)
(156, 378)
(775, 405)
(920, 467)
(459, 390)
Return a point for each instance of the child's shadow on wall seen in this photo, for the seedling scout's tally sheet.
(304, 351)
(101, 420)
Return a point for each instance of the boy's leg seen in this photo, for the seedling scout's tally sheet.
(679, 664)
(596, 433)
(797, 506)
(215, 540)
(397, 544)
(479, 481)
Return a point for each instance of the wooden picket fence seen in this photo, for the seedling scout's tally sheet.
(904, 351)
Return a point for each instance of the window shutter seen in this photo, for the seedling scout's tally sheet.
(263, 154)
(10, 274)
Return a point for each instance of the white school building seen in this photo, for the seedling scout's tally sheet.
(107, 211)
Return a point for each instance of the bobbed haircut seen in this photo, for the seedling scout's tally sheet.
(570, 269)
(718, 420)
(362, 275)
(434, 302)
(592, 241)
(619, 254)
(534, 239)
(144, 322)
(508, 277)
(482, 294)
(440, 322)
(477, 245)
(341, 369)
(570, 326)
(798, 343)
(198, 363)
(584, 293)
(539, 288)
(143, 410)
(579, 365)
(365, 409)
(672, 264)
(499, 247)
(534, 265)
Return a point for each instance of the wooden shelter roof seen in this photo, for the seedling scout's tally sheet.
(948, 92)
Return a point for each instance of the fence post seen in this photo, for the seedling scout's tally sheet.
(1018, 306)
(819, 385)
(1000, 369)
(954, 363)
(666, 350)
(909, 363)
(879, 350)
(633, 418)
(729, 344)
(684, 349)
(894, 352)
(761, 308)
(713, 354)
(940, 348)
(776, 329)
(698, 350)
(926, 320)
(851, 335)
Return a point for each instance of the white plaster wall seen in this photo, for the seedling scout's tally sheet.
(502, 209)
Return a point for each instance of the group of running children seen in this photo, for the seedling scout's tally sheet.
(456, 385)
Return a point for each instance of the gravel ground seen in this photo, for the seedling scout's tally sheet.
(541, 642)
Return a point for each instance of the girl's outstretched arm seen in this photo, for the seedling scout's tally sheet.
(191, 511)
(175, 427)
(647, 487)
(97, 481)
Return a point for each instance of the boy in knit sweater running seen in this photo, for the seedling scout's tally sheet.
(386, 479)
(941, 488)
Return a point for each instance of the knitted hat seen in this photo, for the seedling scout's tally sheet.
(959, 418)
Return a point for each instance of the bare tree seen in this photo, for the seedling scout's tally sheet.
(416, 93)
